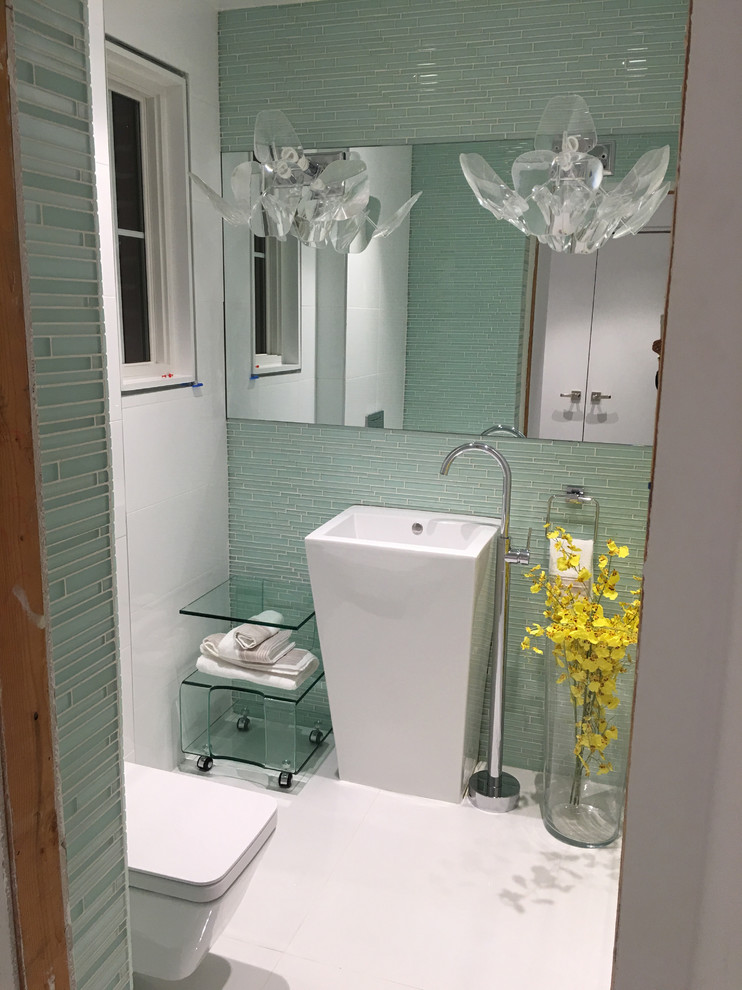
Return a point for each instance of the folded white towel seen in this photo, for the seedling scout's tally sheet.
(294, 662)
(224, 647)
(286, 682)
(569, 576)
(249, 635)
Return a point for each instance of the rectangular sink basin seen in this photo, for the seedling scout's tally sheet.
(409, 529)
(404, 606)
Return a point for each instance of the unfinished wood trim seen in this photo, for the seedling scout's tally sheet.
(26, 731)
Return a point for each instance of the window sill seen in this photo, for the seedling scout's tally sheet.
(276, 369)
(151, 383)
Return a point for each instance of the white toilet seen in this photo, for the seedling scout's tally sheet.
(193, 846)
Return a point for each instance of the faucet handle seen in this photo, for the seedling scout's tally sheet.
(513, 556)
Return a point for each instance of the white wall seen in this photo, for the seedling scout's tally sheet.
(681, 896)
(169, 447)
(376, 332)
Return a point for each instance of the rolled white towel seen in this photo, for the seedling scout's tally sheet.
(249, 635)
(224, 647)
(285, 682)
(569, 576)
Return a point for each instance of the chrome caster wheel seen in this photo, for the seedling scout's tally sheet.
(316, 736)
(285, 779)
(243, 723)
(204, 763)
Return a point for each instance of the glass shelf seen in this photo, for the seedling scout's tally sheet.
(198, 679)
(249, 723)
(240, 599)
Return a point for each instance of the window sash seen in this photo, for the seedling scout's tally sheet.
(162, 97)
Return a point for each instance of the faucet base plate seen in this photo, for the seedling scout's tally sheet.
(494, 794)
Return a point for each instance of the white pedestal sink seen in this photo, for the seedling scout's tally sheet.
(404, 612)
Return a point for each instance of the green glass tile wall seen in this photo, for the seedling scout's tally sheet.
(466, 297)
(62, 245)
(284, 480)
(393, 71)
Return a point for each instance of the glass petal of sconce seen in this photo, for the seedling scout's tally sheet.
(565, 207)
(491, 191)
(645, 177)
(596, 231)
(246, 183)
(566, 125)
(231, 213)
(280, 203)
(274, 136)
(391, 224)
(579, 167)
(644, 212)
(531, 169)
(344, 232)
(347, 197)
(337, 171)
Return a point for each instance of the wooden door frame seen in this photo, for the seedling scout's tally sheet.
(28, 756)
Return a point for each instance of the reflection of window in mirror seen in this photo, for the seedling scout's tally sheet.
(148, 127)
(276, 334)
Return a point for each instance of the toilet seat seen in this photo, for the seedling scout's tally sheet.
(188, 837)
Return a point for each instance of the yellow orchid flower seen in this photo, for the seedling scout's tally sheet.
(589, 648)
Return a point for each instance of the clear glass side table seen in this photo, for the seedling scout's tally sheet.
(222, 718)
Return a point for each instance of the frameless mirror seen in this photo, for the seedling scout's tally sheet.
(455, 323)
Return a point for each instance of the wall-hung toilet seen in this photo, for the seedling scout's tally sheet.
(193, 846)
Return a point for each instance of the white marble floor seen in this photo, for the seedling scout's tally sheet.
(361, 889)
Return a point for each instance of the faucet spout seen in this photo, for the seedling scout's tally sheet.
(479, 446)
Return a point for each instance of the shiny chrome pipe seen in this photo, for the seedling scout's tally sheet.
(493, 789)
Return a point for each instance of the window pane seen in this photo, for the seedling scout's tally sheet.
(134, 309)
(127, 155)
(261, 339)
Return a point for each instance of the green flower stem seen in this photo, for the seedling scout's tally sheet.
(588, 715)
(574, 794)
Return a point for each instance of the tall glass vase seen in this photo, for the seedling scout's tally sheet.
(579, 808)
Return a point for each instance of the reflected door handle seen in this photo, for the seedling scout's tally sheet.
(574, 396)
(597, 396)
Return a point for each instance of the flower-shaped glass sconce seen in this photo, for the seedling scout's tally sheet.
(557, 192)
(284, 192)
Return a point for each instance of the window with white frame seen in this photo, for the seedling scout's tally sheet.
(276, 336)
(149, 157)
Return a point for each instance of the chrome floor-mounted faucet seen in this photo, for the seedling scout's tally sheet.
(492, 789)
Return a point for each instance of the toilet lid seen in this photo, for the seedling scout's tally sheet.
(190, 837)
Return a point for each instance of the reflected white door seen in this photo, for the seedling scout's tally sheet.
(630, 286)
(563, 312)
(595, 319)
